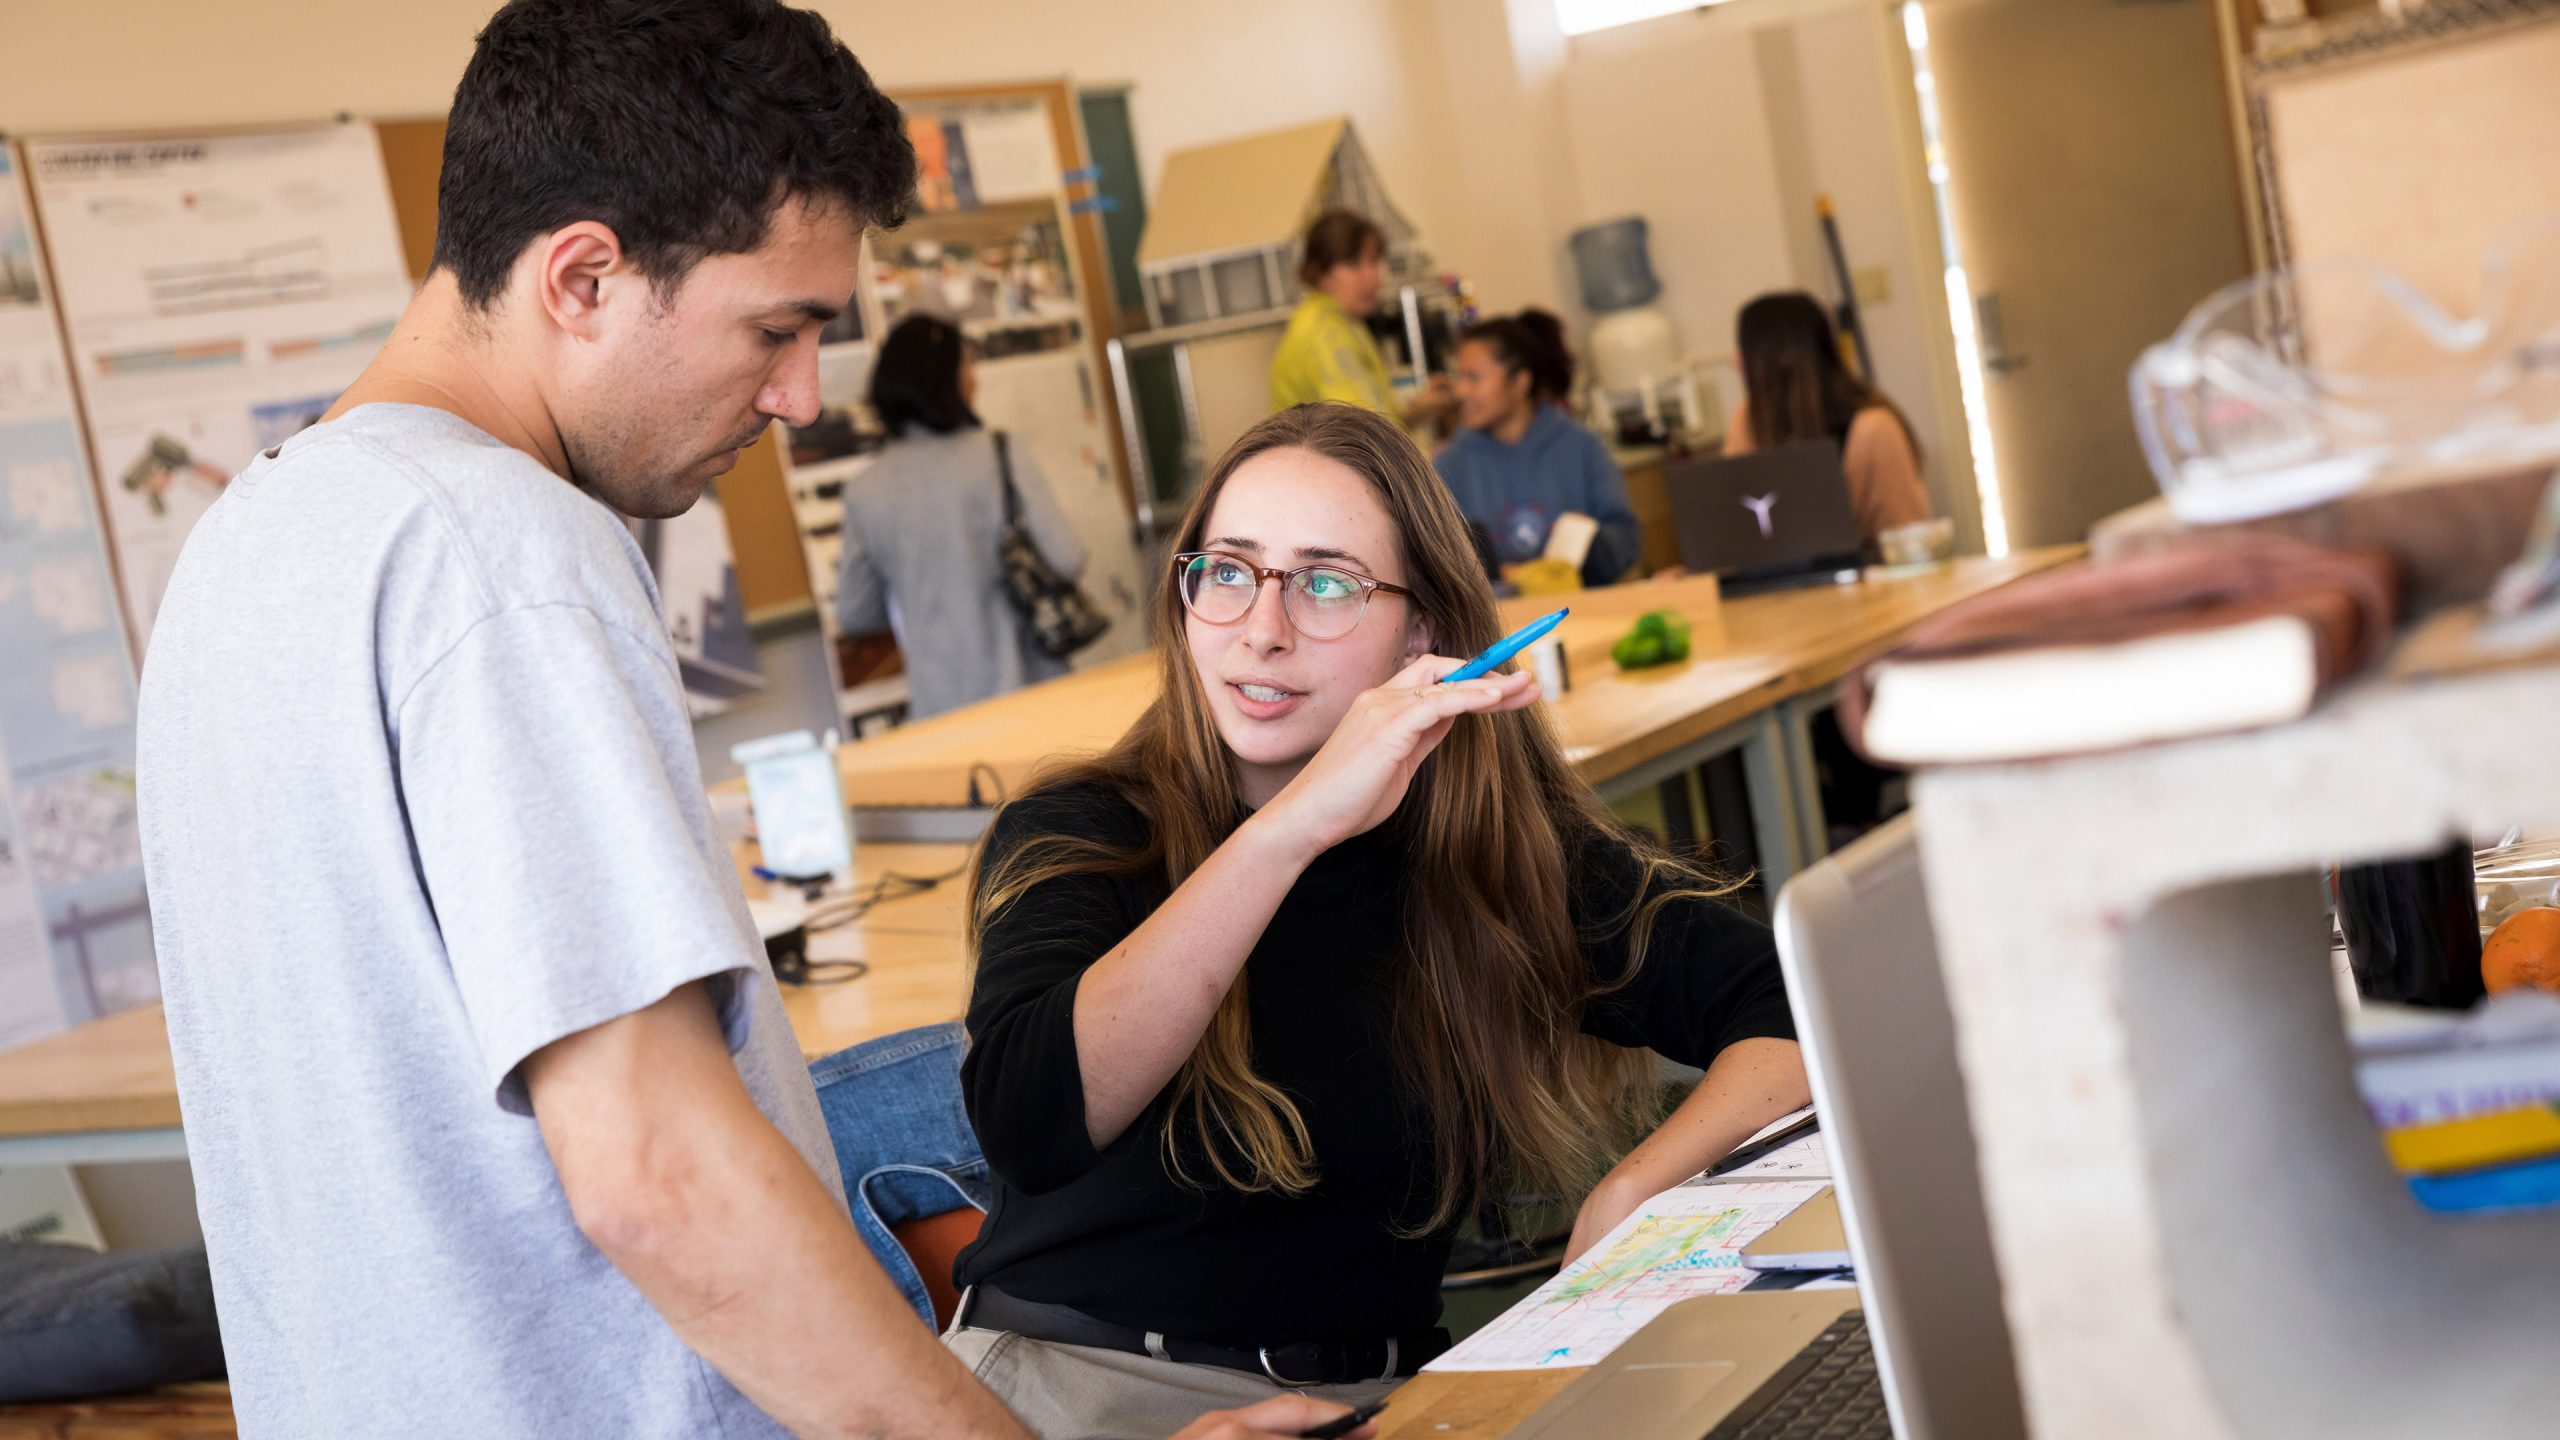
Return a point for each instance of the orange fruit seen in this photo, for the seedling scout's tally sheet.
(2523, 950)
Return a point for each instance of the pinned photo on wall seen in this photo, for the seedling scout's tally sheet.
(943, 178)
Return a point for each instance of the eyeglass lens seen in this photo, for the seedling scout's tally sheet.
(1324, 603)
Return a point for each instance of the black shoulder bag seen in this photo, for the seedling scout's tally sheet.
(1060, 620)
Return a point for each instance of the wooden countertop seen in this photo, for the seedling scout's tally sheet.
(111, 1074)
(115, 1073)
(1471, 1405)
(1746, 655)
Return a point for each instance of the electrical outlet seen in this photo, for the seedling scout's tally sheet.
(1874, 282)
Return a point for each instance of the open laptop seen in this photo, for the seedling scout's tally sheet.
(1923, 1333)
(1767, 520)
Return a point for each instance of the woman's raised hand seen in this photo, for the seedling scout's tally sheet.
(1359, 777)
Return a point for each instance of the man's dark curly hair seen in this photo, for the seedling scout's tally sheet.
(682, 124)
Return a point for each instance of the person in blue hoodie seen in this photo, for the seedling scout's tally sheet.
(1522, 460)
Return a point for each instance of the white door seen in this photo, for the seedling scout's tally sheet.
(2094, 196)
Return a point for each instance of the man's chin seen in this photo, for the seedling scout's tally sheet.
(667, 500)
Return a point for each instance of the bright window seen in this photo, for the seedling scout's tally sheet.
(1581, 17)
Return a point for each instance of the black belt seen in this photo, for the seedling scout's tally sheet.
(1308, 1362)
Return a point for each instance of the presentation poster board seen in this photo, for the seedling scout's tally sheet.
(75, 933)
(218, 292)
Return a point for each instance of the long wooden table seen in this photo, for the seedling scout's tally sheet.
(105, 1091)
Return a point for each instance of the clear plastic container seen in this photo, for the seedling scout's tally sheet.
(2295, 387)
(2516, 876)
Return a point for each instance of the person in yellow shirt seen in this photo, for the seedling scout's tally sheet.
(1328, 353)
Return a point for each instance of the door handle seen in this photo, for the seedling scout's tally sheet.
(1991, 336)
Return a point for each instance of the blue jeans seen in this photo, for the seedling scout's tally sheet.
(903, 1139)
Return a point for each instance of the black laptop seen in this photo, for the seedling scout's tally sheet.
(1767, 520)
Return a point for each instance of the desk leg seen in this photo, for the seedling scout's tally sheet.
(1775, 821)
(1804, 774)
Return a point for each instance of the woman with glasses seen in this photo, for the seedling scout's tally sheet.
(1267, 995)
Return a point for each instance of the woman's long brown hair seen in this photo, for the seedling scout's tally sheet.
(1489, 997)
(1795, 385)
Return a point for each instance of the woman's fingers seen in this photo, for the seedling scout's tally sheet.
(1424, 670)
(1490, 693)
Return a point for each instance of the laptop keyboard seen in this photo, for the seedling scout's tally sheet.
(1830, 1391)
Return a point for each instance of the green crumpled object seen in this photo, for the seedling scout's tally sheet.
(1658, 637)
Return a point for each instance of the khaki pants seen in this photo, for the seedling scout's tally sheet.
(1072, 1392)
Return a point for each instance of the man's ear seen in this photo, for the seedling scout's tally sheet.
(574, 269)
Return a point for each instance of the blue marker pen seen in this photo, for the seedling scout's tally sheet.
(1506, 647)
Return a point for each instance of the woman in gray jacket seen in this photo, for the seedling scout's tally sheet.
(920, 528)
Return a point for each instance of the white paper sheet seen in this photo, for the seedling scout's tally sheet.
(1684, 1242)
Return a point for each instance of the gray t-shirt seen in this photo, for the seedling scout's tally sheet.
(418, 797)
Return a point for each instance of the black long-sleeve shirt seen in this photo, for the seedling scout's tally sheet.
(1114, 1234)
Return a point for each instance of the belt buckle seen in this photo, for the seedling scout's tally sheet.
(1263, 1354)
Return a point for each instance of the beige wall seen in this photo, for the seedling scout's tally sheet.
(1202, 70)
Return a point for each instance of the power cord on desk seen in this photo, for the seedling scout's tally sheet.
(893, 885)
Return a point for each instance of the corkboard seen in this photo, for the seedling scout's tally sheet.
(2419, 144)
(772, 577)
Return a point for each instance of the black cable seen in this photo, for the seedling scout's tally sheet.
(836, 972)
(892, 884)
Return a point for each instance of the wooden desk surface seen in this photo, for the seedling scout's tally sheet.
(111, 1074)
(915, 979)
(115, 1073)
(1474, 1405)
(1746, 655)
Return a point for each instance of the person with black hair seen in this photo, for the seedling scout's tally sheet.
(1327, 353)
(1795, 386)
(497, 1123)
(921, 526)
(1522, 461)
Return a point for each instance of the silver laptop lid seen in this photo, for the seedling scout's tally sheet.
(1861, 966)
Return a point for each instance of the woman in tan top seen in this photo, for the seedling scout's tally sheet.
(1796, 388)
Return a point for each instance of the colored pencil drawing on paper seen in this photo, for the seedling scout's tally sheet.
(1682, 1243)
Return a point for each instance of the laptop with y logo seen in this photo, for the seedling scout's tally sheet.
(1766, 520)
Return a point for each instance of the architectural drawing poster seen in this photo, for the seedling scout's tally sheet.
(75, 934)
(218, 293)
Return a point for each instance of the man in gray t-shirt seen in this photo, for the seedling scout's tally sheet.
(497, 1124)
